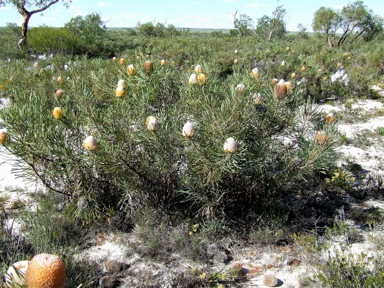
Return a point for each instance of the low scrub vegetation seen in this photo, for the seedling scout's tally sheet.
(155, 127)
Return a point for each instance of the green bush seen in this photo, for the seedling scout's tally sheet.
(162, 169)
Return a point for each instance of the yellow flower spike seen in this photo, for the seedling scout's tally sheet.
(57, 113)
(202, 79)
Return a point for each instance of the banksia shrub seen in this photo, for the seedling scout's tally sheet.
(107, 150)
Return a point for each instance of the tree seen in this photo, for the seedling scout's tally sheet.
(90, 27)
(357, 20)
(27, 8)
(277, 22)
(302, 31)
(89, 31)
(244, 24)
(326, 20)
(274, 27)
(264, 30)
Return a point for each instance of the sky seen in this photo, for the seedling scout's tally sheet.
(182, 14)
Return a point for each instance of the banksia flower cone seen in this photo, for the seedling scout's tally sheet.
(3, 135)
(230, 145)
(188, 130)
(15, 274)
(148, 67)
(280, 90)
(152, 124)
(90, 143)
(45, 271)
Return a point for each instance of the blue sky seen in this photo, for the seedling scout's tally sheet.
(192, 14)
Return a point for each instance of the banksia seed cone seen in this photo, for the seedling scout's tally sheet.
(270, 281)
(57, 113)
(16, 274)
(45, 271)
(280, 90)
(152, 124)
(3, 136)
(188, 130)
(148, 67)
(230, 145)
(90, 143)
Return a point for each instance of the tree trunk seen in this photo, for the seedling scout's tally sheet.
(24, 28)
(342, 37)
(27, 15)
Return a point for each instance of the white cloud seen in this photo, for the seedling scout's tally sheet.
(198, 3)
(4, 8)
(340, 6)
(104, 4)
(230, 1)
